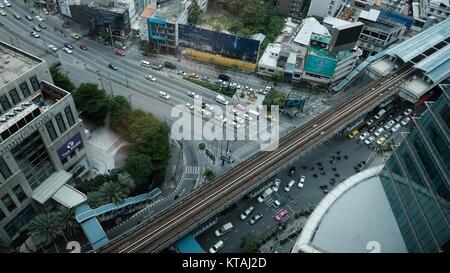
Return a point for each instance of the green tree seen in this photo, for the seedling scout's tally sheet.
(210, 175)
(274, 97)
(157, 146)
(195, 14)
(92, 102)
(139, 166)
(45, 227)
(119, 108)
(125, 179)
(61, 80)
(66, 221)
(113, 192)
(94, 183)
(95, 199)
(140, 123)
(254, 14)
(249, 244)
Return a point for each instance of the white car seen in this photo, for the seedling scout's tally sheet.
(247, 117)
(164, 95)
(68, 51)
(35, 34)
(216, 247)
(189, 105)
(39, 18)
(369, 140)
(255, 218)
(289, 186)
(405, 121)
(192, 94)
(301, 182)
(396, 127)
(209, 107)
(261, 199)
(369, 122)
(1, 6)
(364, 135)
(407, 112)
(389, 124)
(52, 47)
(7, 3)
(276, 186)
(45, 11)
(379, 131)
(238, 86)
(150, 77)
(247, 212)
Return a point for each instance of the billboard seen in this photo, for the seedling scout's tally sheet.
(321, 66)
(345, 37)
(215, 42)
(68, 147)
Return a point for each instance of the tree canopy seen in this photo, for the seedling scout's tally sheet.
(61, 80)
(119, 108)
(92, 102)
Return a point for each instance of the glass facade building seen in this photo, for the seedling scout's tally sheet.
(416, 179)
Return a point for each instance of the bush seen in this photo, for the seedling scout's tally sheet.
(227, 91)
(274, 97)
(201, 146)
(210, 175)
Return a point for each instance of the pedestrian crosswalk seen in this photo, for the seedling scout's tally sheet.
(191, 169)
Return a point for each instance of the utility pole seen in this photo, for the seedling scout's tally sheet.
(45, 44)
(110, 34)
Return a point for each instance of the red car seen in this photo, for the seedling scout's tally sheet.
(83, 47)
(280, 215)
(119, 52)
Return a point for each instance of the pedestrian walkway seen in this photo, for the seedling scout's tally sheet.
(192, 169)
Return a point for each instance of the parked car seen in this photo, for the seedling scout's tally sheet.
(379, 131)
(189, 105)
(2, 12)
(247, 212)
(364, 135)
(301, 182)
(276, 186)
(398, 118)
(224, 229)
(388, 134)
(369, 140)
(407, 112)
(281, 214)
(396, 127)
(216, 247)
(389, 124)
(291, 171)
(381, 140)
(256, 218)
(405, 121)
(371, 129)
(289, 185)
(352, 134)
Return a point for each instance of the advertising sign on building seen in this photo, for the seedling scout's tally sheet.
(321, 66)
(228, 45)
(68, 147)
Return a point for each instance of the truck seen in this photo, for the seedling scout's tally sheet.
(221, 99)
(224, 229)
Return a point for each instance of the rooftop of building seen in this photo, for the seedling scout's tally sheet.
(12, 120)
(381, 25)
(270, 55)
(441, 2)
(422, 42)
(170, 10)
(333, 21)
(14, 62)
(109, 5)
(354, 217)
(308, 27)
(323, 52)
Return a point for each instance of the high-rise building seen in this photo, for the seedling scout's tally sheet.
(292, 8)
(42, 142)
(403, 206)
(323, 8)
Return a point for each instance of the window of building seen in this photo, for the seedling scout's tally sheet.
(60, 122)
(2, 215)
(14, 96)
(4, 169)
(5, 102)
(51, 130)
(69, 116)
(35, 83)
(16, 224)
(25, 89)
(8, 202)
(20, 194)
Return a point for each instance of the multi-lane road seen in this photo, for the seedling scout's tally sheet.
(203, 203)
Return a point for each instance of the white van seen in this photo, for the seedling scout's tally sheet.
(380, 114)
(218, 246)
(224, 229)
(164, 95)
(146, 63)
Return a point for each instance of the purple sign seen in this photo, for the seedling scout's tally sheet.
(70, 146)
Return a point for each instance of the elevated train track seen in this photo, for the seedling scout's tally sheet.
(206, 201)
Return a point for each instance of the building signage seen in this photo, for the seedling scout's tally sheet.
(70, 146)
(23, 133)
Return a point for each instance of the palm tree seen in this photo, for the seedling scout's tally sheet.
(125, 179)
(67, 222)
(46, 228)
(4, 248)
(113, 192)
(95, 199)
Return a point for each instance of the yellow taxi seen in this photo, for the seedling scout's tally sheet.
(352, 134)
(270, 118)
(75, 36)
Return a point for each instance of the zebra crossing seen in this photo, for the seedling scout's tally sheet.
(192, 169)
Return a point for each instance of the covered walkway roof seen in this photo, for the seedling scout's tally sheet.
(420, 43)
(188, 244)
(436, 66)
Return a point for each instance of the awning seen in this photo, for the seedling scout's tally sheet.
(50, 186)
(69, 197)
